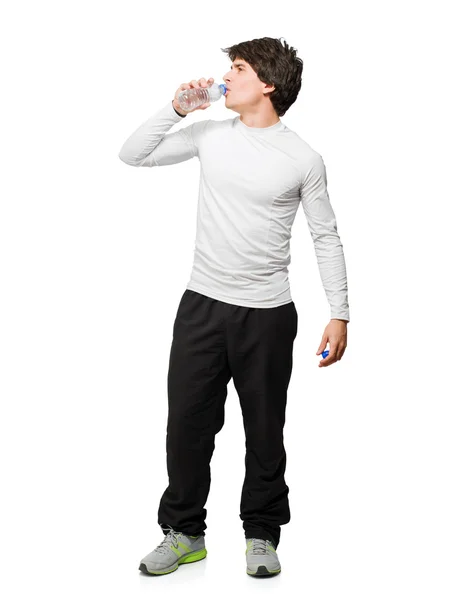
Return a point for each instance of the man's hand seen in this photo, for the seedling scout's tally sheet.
(336, 334)
(187, 86)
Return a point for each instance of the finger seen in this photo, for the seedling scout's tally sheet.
(323, 344)
(340, 348)
(334, 355)
(194, 83)
(330, 358)
(340, 352)
(326, 362)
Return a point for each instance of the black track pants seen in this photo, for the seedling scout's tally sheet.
(212, 342)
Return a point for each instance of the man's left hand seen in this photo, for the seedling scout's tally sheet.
(336, 334)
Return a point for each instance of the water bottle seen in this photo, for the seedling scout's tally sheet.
(194, 97)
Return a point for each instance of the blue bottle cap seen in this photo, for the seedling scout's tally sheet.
(325, 353)
(223, 88)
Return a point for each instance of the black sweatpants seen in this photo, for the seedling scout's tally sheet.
(212, 342)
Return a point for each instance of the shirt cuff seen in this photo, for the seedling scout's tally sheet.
(177, 111)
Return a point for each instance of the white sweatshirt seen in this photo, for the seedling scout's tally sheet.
(252, 180)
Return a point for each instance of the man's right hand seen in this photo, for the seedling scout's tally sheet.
(186, 86)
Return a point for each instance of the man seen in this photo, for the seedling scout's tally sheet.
(237, 318)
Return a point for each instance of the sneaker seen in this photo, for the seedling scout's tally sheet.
(176, 549)
(261, 558)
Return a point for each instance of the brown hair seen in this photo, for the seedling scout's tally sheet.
(275, 64)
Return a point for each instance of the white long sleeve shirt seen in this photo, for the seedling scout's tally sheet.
(252, 180)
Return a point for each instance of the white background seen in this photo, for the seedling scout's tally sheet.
(95, 256)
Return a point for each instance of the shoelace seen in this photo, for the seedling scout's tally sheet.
(171, 538)
(259, 546)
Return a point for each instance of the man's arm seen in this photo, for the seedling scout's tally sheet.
(151, 146)
(323, 229)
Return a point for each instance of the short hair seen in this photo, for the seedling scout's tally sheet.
(275, 64)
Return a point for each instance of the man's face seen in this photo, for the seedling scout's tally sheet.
(244, 87)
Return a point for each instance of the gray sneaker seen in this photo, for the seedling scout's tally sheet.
(261, 558)
(176, 549)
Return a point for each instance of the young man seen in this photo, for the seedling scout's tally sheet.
(237, 318)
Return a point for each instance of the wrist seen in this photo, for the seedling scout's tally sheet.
(177, 111)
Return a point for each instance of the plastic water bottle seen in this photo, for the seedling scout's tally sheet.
(194, 97)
